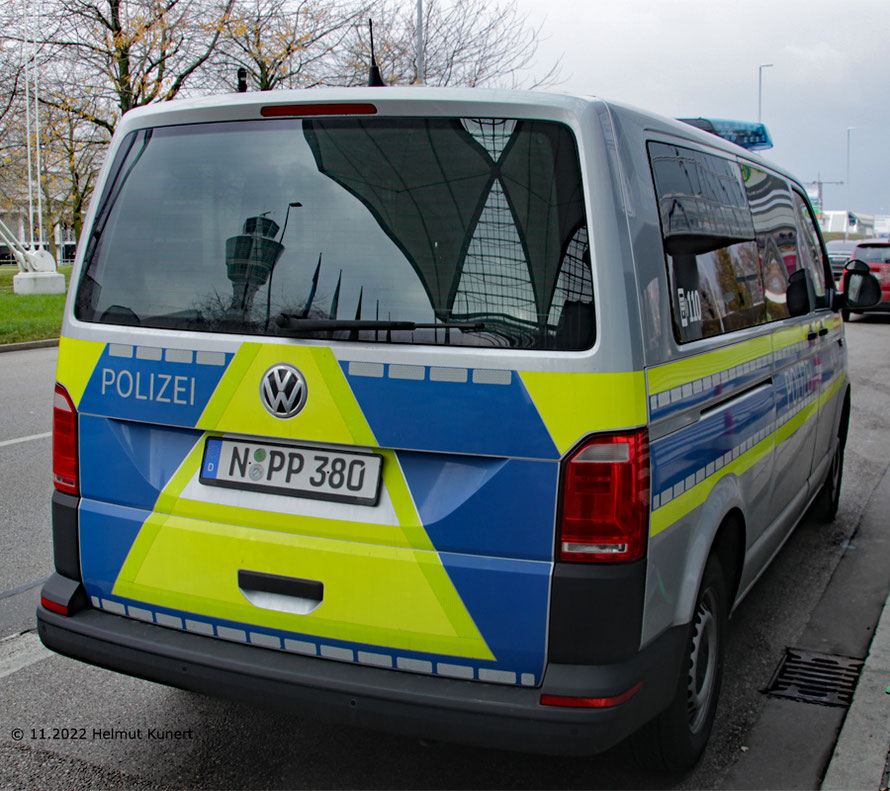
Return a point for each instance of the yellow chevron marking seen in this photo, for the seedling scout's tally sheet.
(77, 361)
(573, 405)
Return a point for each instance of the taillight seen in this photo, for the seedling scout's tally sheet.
(605, 499)
(64, 442)
(61, 609)
(590, 703)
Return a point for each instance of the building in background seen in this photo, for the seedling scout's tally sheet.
(853, 223)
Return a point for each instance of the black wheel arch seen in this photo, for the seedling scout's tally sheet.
(729, 546)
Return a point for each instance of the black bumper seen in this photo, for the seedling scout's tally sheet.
(468, 712)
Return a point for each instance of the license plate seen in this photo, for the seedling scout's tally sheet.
(288, 469)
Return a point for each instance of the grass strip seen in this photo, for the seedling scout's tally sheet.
(30, 317)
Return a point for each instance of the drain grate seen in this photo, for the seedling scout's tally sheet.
(812, 677)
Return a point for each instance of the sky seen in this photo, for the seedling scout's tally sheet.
(689, 58)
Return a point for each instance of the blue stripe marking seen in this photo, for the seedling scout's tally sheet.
(509, 601)
(129, 463)
(484, 506)
(152, 391)
(685, 452)
(107, 533)
(453, 417)
(319, 643)
(711, 387)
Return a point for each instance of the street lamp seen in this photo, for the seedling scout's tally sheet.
(760, 87)
(420, 53)
(847, 221)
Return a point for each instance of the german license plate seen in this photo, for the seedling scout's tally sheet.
(289, 469)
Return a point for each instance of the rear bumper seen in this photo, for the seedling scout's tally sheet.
(469, 712)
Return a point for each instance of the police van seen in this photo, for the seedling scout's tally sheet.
(461, 413)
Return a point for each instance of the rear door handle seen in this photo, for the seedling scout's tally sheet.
(812, 335)
(823, 332)
(284, 594)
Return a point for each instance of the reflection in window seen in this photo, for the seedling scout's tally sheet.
(225, 226)
(698, 194)
(492, 134)
(716, 280)
(776, 233)
(811, 251)
(574, 285)
(496, 282)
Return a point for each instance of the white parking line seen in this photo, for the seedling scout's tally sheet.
(25, 439)
(21, 651)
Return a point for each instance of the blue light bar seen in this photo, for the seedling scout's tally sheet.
(746, 134)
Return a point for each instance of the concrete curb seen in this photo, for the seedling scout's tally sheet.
(862, 752)
(19, 347)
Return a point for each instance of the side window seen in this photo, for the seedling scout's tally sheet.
(811, 251)
(709, 241)
(772, 212)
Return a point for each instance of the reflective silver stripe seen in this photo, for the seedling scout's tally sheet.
(148, 353)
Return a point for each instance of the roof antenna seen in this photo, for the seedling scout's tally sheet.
(374, 78)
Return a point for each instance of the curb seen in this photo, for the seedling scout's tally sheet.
(20, 347)
(862, 753)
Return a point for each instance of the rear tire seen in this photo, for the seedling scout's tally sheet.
(675, 740)
(827, 501)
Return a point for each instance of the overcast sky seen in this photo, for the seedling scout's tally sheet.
(686, 58)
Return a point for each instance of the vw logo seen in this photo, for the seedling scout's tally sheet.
(283, 391)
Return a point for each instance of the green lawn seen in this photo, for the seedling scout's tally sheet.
(29, 318)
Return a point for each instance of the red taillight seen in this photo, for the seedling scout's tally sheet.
(590, 703)
(64, 442)
(61, 609)
(605, 499)
(310, 110)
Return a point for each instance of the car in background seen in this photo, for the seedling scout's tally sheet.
(876, 253)
(839, 252)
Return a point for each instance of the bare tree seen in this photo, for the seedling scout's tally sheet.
(281, 43)
(75, 149)
(466, 43)
(101, 58)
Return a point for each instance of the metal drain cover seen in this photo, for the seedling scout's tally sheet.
(812, 677)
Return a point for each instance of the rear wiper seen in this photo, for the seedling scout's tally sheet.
(292, 321)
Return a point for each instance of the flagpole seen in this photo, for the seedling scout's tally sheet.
(37, 134)
(27, 53)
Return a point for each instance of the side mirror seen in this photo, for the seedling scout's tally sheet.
(861, 287)
(797, 296)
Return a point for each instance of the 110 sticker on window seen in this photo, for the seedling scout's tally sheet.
(690, 306)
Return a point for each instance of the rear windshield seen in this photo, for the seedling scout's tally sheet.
(873, 253)
(452, 231)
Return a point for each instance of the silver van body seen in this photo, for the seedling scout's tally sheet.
(737, 404)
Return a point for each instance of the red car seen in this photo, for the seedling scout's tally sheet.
(876, 253)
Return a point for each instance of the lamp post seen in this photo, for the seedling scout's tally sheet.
(760, 88)
(847, 219)
(420, 54)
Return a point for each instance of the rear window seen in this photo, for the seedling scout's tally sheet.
(873, 253)
(452, 231)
